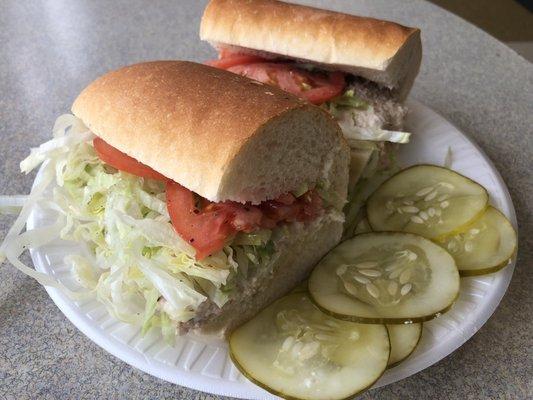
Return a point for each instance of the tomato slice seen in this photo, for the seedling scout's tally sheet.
(245, 217)
(234, 59)
(207, 226)
(316, 87)
(206, 230)
(121, 161)
(290, 209)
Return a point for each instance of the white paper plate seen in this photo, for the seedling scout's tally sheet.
(203, 363)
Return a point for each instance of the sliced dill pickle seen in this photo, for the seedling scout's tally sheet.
(294, 350)
(483, 247)
(428, 200)
(385, 277)
(403, 340)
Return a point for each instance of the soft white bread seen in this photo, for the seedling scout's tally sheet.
(299, 253)
(380, 51)
(220, 135)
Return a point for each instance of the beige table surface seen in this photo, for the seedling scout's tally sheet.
(49, 50)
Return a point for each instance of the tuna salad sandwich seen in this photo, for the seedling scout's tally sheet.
(359, 69)
(200, 196)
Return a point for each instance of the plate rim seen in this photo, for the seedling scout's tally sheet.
(225, 387)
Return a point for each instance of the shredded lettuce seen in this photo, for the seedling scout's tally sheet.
(347, 109)
(366, 185)
(353, 132)
(133, 260)
(347, 100)
(257, 238)
(12, 204)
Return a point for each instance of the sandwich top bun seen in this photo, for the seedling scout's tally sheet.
(380, 51)
(221, 135)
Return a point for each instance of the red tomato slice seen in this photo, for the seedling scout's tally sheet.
(304, 208)
(312, 206)
(206, 230)
(123, 162)
(224, 52)
(234, 59)
(207, 226)
(246, 218)
(316, 87)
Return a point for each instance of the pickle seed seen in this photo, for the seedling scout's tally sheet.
(405, 276)
(424, 191)
(287, 343)
(443, 197)
(374, 273)
(322, 327)
(395, 274)
(392, 267)
(416, 219)
(410, 209)
(424, 215)
(322, 336)
(361, 279)
(447, 185)
(444, 204)
(431, 196)
(372, 290)
(366, 265)
(408, 202)
(406, 289)
(350, 288)
(452, 246)
(469, 246)
(309, 350)
(296, 349)
(431, 211)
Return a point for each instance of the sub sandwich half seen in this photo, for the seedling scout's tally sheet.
(200, 195)
(359, 69)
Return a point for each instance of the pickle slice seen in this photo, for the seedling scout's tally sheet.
(403, 340)
(294, 350)
(483, 247)
(385, 277)
(428, 200)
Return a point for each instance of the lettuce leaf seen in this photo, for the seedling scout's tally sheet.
(133, 260)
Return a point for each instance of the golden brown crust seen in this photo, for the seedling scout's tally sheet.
(187, 121)
(382, 51)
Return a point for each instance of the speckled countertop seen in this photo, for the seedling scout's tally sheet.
(49, 50)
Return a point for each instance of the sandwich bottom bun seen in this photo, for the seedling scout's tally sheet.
(299, 246)
(299, 252)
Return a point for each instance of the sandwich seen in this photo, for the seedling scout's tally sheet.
(200, 196)
(359, 69)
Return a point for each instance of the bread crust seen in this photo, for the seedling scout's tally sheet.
(185, 120)
(381, 51)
